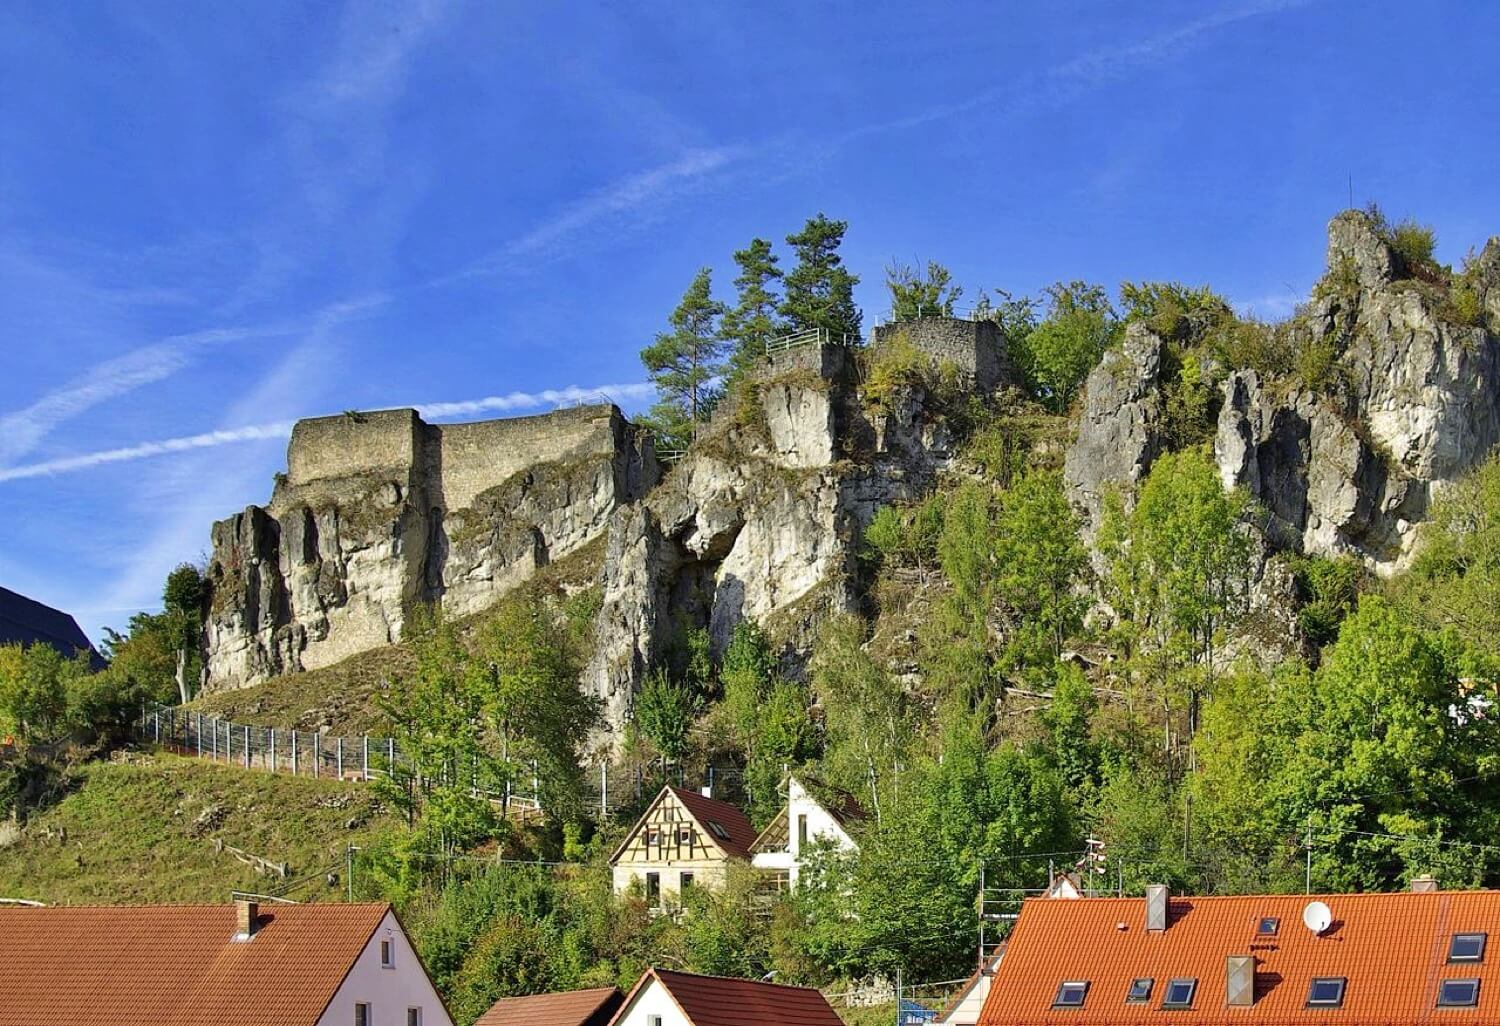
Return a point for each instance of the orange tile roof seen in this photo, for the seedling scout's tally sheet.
(1392, 949)
(735, 823)
(721, 1001)
(170, 965)
(573, 1008)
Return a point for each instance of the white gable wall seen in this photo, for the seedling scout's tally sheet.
(389, 992)
(819, 826)
(650, 1000)
(966, 1012)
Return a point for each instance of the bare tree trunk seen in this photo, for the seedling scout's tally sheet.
(182, 681)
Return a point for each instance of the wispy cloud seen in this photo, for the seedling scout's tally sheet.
(510, 402)
(22, 430)
(608, 205)
(1072, 78)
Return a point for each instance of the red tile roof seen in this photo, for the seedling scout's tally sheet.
(720, 1001)
(708, 811)
(176, 964)
(1392, 949)
(573, 1008)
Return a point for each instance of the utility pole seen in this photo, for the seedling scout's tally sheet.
(1307, 843)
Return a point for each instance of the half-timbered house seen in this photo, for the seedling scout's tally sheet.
(683, 840)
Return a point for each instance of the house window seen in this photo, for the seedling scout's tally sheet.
(1070, 994)
(685, 882)
(801, 831)
(653, 837)
(413, 1017)
(685, 835)
(387, 954)
(1268, 927)
(1140, 991)
(1326, 992)
(1179, 993)
(1458, 994)
(653, 1020)
(653, 890)
(362, 1016)
(1466, 947)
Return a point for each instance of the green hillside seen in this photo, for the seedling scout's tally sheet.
(145, 832)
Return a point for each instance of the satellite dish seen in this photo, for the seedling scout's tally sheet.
(1317, 916)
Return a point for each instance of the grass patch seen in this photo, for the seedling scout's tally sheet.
(144, 833)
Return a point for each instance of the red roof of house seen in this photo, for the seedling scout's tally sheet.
(720, 1001)
(1392, 949)
(573, 1008)
(176, 964)
(709, 811)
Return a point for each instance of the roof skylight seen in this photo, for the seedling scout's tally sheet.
(1140, 991)
(1326, 992)
(1458, 994)
(1180, 993)
(1070, 994)
(1466, 947)
(1268, 926)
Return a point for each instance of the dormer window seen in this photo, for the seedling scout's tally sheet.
(1070, 994)
(1180, 993)
(1466, 947)
(1140, 991)
(1458, 994)
(1268, 927)
(1326, 992)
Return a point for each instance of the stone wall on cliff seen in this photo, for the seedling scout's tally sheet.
(379, 512)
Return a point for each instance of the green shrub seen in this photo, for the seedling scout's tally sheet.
(1173, 311)
(1415, 243)
(893, 365)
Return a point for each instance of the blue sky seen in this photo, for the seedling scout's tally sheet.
(214, 222)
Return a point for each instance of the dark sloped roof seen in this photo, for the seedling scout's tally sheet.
(720, 1001)
(26, 621)
(709, 811)
(171, 965)
(1392, 949)
(573, 1008)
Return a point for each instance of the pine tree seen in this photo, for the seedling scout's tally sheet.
(685, 362)
(819, 290)
(754, 321)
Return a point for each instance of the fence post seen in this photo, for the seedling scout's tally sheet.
(317, 752)
(294, 751)
(199, 738)
(339, 756)
(364, 758)
(247, 747)
(603, 791)
(158, 726)
(390, 748)
(273, 749)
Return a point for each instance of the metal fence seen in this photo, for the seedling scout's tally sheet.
(811, 336)
(360, 758)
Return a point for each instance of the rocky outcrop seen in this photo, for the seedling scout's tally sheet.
(379, 512)
(1412, 403)
(760, 521)
(1120, 429)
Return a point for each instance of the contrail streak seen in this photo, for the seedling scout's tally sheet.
(634, 391)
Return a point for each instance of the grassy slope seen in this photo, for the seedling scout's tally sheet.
(131, 835)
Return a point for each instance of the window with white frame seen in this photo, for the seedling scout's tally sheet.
(387, 954)
(413, 1017)
(362, 1016)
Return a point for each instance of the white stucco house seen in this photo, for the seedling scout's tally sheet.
(663, 997)
(805, 820)
(171, 965)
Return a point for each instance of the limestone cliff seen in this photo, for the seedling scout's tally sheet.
(1348, 464)
(378, 512)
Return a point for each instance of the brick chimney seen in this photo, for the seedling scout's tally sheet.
(1424, 884)
(1156, 908)
(247, 919)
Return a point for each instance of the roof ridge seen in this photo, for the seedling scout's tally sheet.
(735, 979)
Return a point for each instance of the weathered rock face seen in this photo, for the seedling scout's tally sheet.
(760, 523)
(379, 512)
(1348, 469)
(1120, 430)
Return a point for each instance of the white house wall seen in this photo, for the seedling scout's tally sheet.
(820, 826)
(652, 999)
(966, 1012)
(388, 991)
